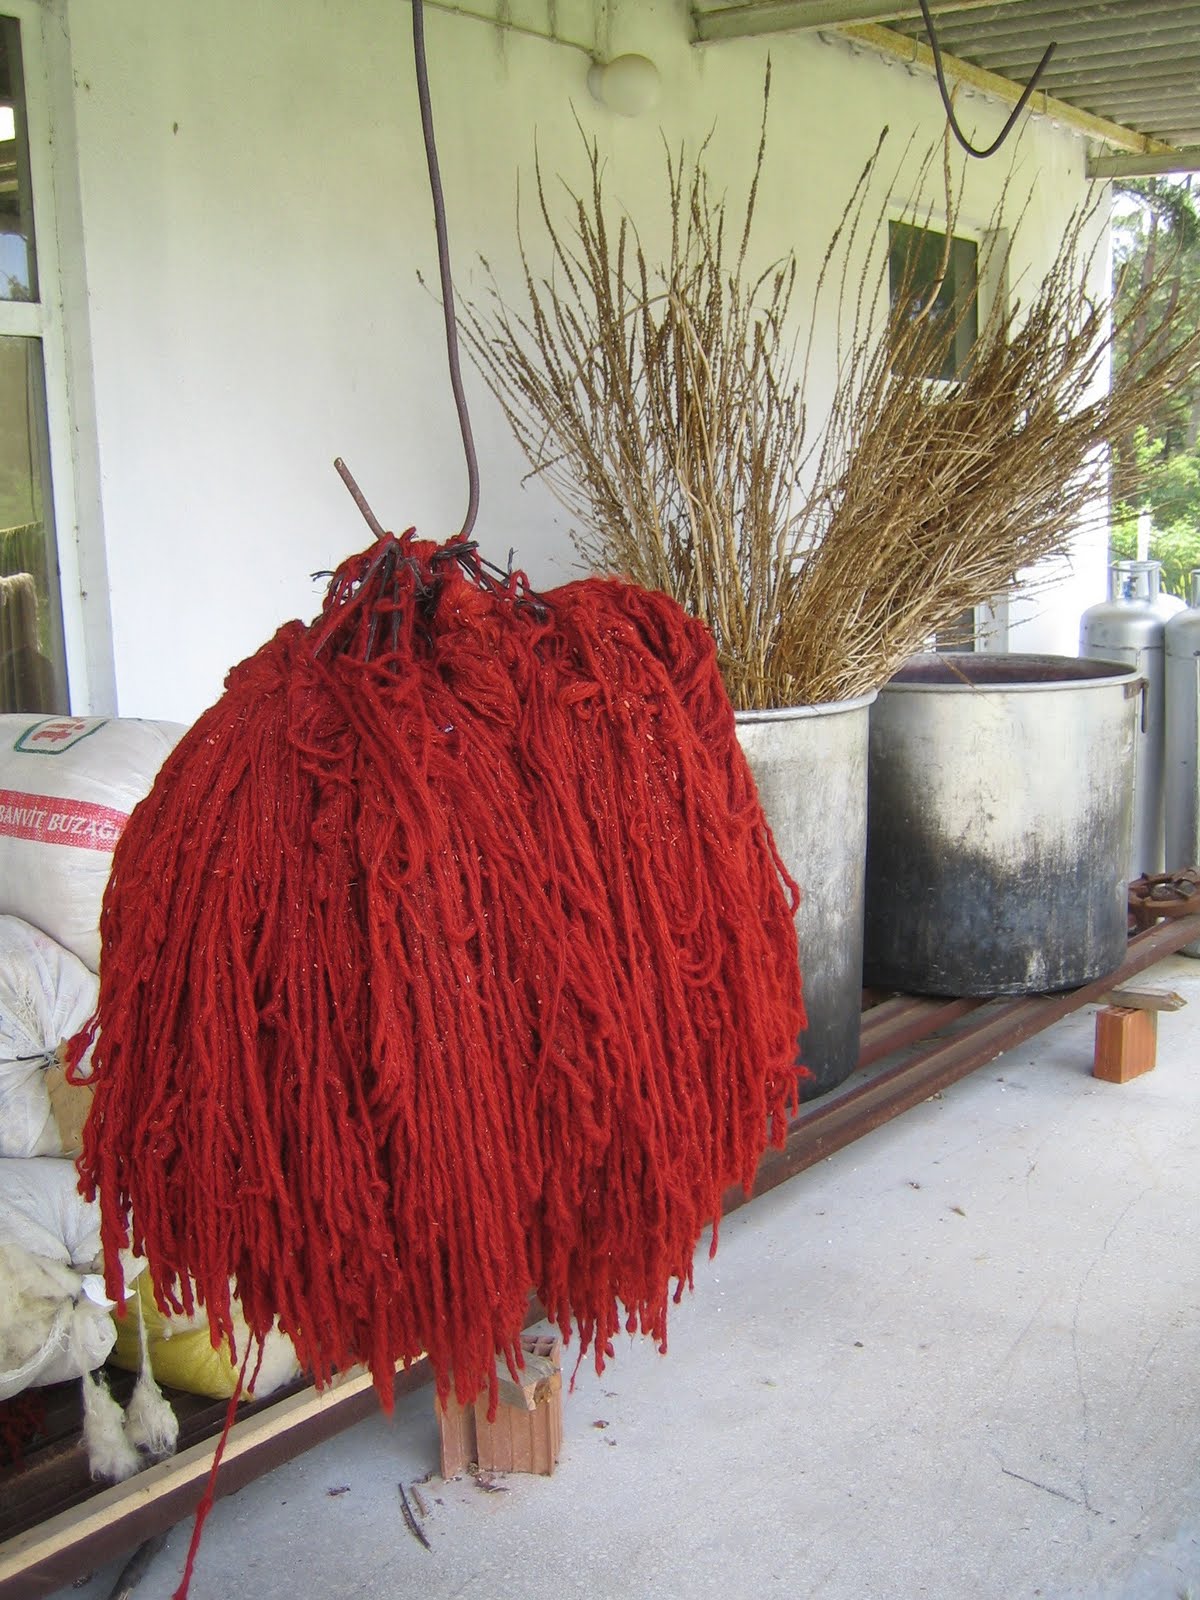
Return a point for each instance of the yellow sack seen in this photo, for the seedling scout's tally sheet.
(182, 1355)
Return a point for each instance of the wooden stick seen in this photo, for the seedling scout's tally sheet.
(410, 1521)
(136, 1568)
(1144, 999)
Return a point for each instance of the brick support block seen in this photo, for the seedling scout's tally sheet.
(526, 1433)
(456, 1425)
(1126, 1042)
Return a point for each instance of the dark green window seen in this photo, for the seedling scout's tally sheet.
(923, 278)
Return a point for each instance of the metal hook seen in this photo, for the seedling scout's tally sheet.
(991, 149)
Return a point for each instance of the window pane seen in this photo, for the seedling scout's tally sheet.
(924, 280)
(18, 263)
(32, 662)
(961, 634)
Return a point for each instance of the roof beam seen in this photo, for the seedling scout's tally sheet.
(1105, 59)
(791, 16)
(1165, 98)
(1144, 166)
(913, 53)
(1077, 34)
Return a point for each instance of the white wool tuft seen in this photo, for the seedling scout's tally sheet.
(50, 1330)
(33, 1291)
(150, 1423)
(110, 1454)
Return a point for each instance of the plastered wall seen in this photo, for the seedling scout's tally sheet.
(254, 226)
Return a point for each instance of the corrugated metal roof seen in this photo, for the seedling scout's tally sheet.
(1131, 63)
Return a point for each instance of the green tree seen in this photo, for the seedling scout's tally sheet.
(1156, 240)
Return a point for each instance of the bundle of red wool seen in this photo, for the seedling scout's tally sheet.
(449, 958)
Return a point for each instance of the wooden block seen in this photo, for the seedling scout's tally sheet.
(1144, 999)
(456, 1425)
(522, 1391)
(1126, 1041)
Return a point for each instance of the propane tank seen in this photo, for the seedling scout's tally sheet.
(1130, 626)
(1181, 766)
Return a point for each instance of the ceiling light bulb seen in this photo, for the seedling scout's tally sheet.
(627, 84)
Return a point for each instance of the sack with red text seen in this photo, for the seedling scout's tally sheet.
(67, 786)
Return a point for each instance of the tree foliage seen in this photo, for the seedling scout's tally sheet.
(1156, 240)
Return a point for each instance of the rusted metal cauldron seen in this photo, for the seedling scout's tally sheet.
(1000, 808)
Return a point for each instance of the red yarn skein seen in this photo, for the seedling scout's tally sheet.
(449, 958)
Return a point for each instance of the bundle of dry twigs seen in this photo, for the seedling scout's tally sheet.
(665, 405)
(935, 498)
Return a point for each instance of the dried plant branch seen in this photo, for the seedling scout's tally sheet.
(666, 407)
(936, 498)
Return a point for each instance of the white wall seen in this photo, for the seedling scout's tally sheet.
(255, 212)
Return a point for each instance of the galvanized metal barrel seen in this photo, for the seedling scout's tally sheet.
(1181, 764)
(810, 765)
(1000, 810)
(1130, 626)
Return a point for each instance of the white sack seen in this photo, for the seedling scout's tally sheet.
(46, 996)
(67, 786)
(41, 1211)
(51, 1327)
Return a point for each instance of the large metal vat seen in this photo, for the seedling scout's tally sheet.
(1001, 802)
(810, 765)
(1129, 626)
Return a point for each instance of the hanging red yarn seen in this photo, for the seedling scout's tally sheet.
(449, 958)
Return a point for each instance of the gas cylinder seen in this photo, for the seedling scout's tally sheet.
(1181, 777)
(1130, 626)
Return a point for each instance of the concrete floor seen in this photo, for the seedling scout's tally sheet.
(959, 1359)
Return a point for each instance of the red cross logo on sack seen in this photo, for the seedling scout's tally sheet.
(55, 734)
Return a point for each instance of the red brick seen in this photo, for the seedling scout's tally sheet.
(1126, 1042)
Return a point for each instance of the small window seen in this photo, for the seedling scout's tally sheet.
(937, 280)
(925, 279)
(32, 657)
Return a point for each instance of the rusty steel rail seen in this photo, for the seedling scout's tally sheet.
(903, 1019)
(848, 1113)
(83, 1534)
